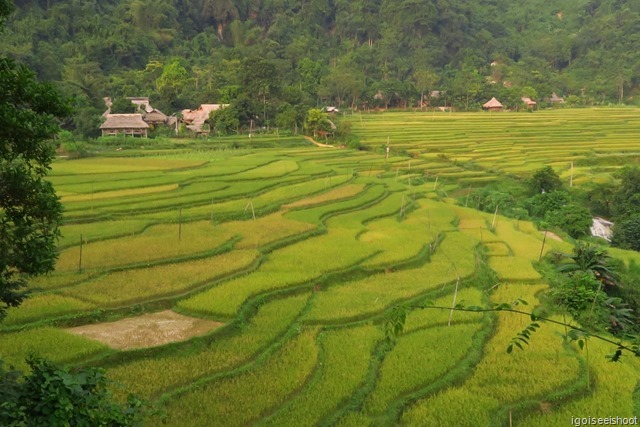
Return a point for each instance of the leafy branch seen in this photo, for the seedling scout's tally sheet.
(394, 325)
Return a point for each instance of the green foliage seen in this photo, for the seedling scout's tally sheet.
(122, 105)
(572, 218)
(225, 121)
(544, 180)
(542, 203)
(523, 336)
(171, 82)
(587, 257)
(626, 233)
(504, 198)
(332, 52)
(578, 293)
(29, 209)
(317, 122)
(54, 396)
(290, 118)
(626, 198)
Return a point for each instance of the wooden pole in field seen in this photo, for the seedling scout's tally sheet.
(495, 215)
(435, 184)
(544, 240)
(80, 259)
(571, 179)
(180, 225)
(253, 212)
(453, 303)
(387, 149)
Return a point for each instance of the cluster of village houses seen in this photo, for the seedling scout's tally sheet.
(138, 124)
(494, 105)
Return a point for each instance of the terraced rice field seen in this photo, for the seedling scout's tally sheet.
(473, 148)
(303, 253)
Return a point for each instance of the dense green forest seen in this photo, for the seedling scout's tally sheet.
(274, 59)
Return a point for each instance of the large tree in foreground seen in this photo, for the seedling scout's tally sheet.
(29, 208)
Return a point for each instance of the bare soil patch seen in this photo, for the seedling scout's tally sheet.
(319, 144)
(147, 330)
(553, 235)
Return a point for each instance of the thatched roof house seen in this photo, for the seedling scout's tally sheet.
(530, 103)
(155, 117)
(556, 99)
(196, 118)
(125, 124)
(492, 105)
(141, 103)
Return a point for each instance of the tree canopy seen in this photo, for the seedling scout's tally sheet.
(355, 53)
(29, 208)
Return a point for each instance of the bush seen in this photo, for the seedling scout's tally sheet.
(74, 150)
(577, 293)
(539, 205)
(544, 180)
(572, 218)
(626, 233)
(54, 396)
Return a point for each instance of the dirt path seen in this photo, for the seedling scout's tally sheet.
(147, 330)
(311, 140)
(552, 235)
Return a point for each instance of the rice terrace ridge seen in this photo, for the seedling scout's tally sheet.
(300, 256)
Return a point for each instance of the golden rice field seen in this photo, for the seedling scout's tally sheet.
(303, 253)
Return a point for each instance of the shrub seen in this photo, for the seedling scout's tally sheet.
(540, 204)
(626, 233)
(54, 396)
(577, 294)
(572, 218)
(544, 180)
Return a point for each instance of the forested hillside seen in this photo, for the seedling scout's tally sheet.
(276, 58)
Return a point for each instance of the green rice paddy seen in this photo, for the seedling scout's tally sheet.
(302, 253)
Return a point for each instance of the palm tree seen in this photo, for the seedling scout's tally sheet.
(587, 257)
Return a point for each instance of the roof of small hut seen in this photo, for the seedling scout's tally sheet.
(124, 121)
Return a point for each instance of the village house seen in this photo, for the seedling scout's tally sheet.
(529, 102)
(150, 115)
(141, 103)
(124, 124)
(195, 119)
(555, 99)
(492, 105)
